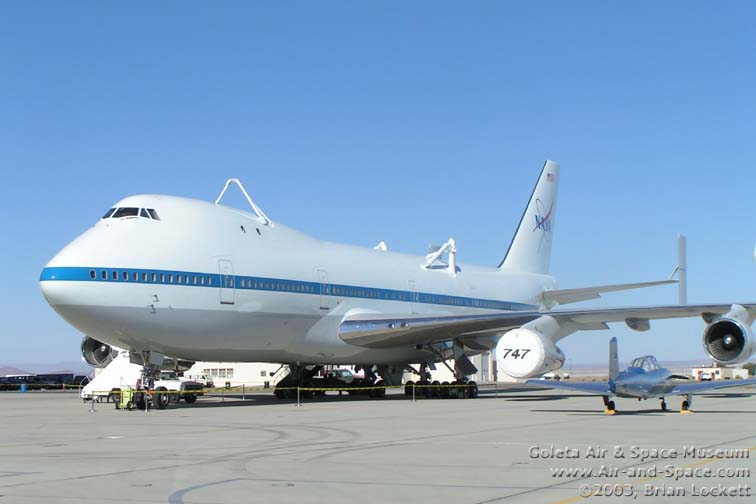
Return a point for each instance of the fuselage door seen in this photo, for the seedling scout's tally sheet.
(325, 290)
(226, 281)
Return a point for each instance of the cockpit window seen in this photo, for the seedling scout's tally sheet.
(126, 212)
(153, 213)
(646, 363)
(143, 213)
(109, 213)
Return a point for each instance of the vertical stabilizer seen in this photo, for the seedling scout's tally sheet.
(613, 359)
(530, 249)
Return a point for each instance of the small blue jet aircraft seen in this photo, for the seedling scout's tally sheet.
(644, 378)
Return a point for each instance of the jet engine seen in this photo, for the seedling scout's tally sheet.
(728, 339)
(96, 353)
(529, 350)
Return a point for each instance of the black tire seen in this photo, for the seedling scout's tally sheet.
(445, 390)
(379, 393)
(140, 399)
(685, 406)
(453, 390)
(161, 398)
(190, 398)
(130, 405)
(610, 405)
(115, 396)
(473, 389)
(436, 388)
(408, 388)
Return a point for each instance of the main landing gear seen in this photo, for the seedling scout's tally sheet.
(609, 408)
(461, 388)
(687, 402)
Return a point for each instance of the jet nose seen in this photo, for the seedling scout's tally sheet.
(53, 284)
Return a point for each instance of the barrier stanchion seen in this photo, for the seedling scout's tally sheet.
(92, 407)
(413, 392)
(244, 396)
(299, 403)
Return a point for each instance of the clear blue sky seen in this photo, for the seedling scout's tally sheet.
(408, 122)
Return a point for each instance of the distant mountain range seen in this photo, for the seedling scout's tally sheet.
(75, 367)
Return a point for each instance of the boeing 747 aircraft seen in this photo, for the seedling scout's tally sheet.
(174, 279)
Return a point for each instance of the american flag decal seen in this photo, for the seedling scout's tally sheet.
(550, 177)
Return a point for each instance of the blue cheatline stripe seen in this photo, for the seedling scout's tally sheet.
(240, 282)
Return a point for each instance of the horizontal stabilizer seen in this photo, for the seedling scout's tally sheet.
(566, 296)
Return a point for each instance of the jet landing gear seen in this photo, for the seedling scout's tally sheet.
(609, 406)
(663, 406)
(685, 407)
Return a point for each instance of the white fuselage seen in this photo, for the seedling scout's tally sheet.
(210, 282)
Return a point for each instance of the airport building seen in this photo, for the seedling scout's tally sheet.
(718, 373)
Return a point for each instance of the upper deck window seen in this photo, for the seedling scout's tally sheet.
(126, 212)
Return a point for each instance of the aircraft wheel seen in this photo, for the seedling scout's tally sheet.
(435, 389)
(473, 390)
(453, 390)
(685, 406)
(161, 398)
(427, 390)
(408, 388)
(610, 406)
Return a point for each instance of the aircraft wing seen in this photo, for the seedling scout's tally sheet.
(702, 387)
(378, 331)
(566, 296)
(600, 388)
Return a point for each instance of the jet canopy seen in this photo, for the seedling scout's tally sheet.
(646, 363)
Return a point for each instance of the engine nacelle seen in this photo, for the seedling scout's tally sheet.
(526, 352)
(729, 340)
(96, 353)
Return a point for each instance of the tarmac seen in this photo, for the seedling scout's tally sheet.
(506, 446)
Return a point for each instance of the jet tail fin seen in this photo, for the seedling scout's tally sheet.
(530, 249)
(613, 359)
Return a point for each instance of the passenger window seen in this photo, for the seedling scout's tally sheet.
(162, 277)
(153, 213)
(170, 277)
(135, 276)
(186, 279)
(202, 280)
(178, 278)
(126, 212)
(194, 279)
(154, 277)
(108, 213)
(92, 274)
(125, 275)
(143, 213)
(115, 275)
(144, 277)
(209, 281)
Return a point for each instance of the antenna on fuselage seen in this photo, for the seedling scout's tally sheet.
(258, 211)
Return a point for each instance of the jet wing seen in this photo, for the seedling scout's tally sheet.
(566, 296)
(702, 387)
(600, 388)
(378, 331)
